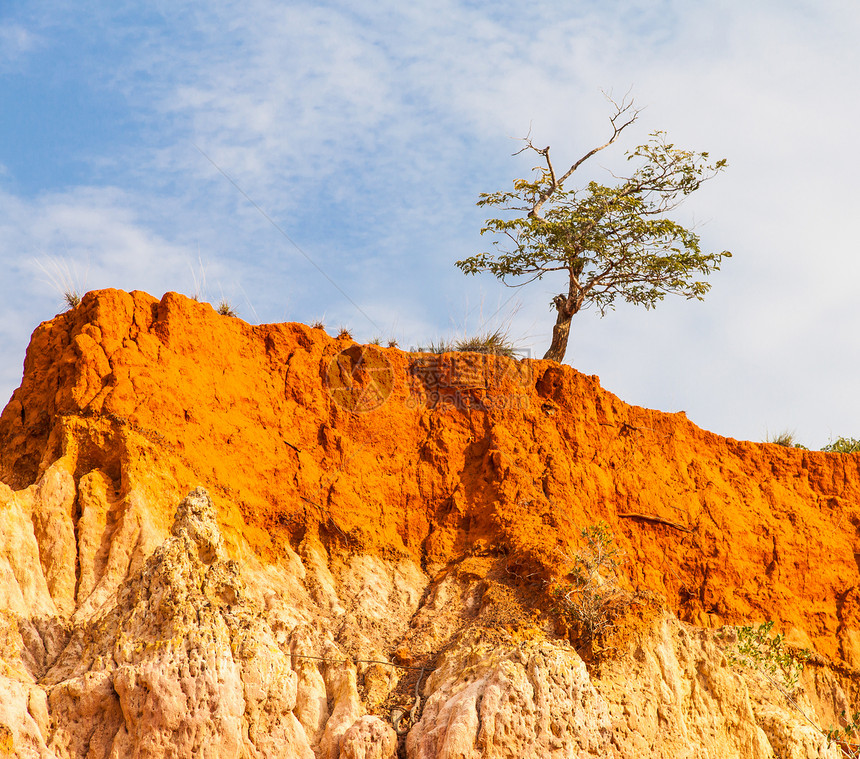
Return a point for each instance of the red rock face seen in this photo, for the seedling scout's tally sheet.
(388, 453)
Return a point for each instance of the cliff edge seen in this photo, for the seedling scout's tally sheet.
(221, 539)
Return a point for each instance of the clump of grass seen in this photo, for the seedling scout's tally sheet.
(225, 309)
(318, 324)
(344, 334)
(843, 445)
(787, 439)
(441, 346)
(495, 343)
(392, 343)
(199, 281)
(60, 276)
(376, 341)
(72, 298)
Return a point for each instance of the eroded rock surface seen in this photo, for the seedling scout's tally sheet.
(370, 580)
(195, 656)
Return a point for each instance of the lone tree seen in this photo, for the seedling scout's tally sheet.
(612, 242)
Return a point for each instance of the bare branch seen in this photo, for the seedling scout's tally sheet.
(538, 275)
(621, 113)
(625, 115)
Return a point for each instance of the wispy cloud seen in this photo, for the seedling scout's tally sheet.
(16, 42)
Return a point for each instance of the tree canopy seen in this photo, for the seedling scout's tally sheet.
(610, 241)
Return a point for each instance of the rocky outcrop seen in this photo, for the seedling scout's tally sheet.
(185, 661)
(365, 573)
(183, 664)
(198, 655)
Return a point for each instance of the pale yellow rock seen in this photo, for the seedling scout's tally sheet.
(790, 739)
(19, 730)
(87, 715)
(676, 695)
(114, 537)
(346, 710)
(55, 533)
(97, 503)
(369, 738)
(530, 700)
(319, 580)
(23, 587)
(312, 703)
(194, 671)
(170, 648)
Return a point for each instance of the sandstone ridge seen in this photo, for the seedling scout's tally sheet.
(364, 573)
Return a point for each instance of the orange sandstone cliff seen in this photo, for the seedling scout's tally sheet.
(220, 539)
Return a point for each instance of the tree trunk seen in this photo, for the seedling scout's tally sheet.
(561, 330)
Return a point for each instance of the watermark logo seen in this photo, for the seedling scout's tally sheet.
(467, 381)
(360, 378)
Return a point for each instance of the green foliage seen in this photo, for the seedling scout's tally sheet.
(843, 445)
(757, 650)
(612, 239)
(609, 241)
(846, 737)
(585, 598)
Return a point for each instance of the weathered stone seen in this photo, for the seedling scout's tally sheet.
(345, 558)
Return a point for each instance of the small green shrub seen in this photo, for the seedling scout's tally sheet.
(846, 737)
(587, 596)
(843, 445)
(756, 649)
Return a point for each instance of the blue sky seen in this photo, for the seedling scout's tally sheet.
(367, 130)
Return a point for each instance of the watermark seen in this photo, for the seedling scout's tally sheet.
(360, 378)
(465, 401)
(469, 381)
